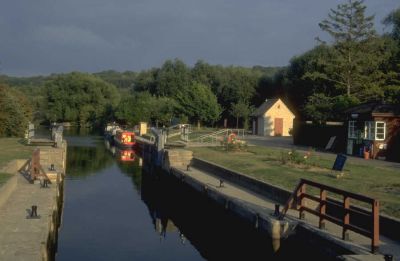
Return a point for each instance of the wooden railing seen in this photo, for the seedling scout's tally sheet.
(36, 169)
(297, 201)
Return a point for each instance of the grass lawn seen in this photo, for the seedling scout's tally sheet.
(4, 177)
(10, 149)
(267, 164)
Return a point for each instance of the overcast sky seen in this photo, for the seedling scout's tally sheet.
(52, 36)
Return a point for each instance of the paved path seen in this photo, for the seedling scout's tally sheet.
(287, 143)
(264, 205)
(21, 238)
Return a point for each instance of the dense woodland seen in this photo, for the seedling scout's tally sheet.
(353, 65)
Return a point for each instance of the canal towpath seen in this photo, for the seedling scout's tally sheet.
(23, 237)
(257, 203)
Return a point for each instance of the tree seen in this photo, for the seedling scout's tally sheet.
(199, 103)
(80, 97)
(162, 110)
(146, 81)
(319, 107)
(241, 110)
(173, 77)
(15, 112)
(393, 20)
(143, 106)
(358, 53)
(392, 90)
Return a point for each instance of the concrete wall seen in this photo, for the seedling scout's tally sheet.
(388, 225)
(260, 126)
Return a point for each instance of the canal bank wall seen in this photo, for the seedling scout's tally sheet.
(254, 201)
(389, 226)
(24, 236)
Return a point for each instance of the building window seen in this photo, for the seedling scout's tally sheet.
(352, 130)
(375, 130)
(380, 128)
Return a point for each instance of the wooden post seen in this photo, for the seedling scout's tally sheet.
(322, 208)
(301, 200)
(346, 217)
(375, 228)
(35, 168)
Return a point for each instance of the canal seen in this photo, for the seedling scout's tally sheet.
(113, 210)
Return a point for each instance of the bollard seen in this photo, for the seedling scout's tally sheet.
(256, 220)
(277, 212)
(221, 183)
(388, 257)
(33, 211)
(346, 236)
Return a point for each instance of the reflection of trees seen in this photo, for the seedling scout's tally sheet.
(85, 161)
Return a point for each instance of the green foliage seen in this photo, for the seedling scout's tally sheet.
(358, 54)
(122, 80)
(80, 97)
(230, 85)
(15, 112)
(321, 108)
(241, 110)
(199, 104)
(393, 20)
(145, 107)
(294, 157)
(173, 77)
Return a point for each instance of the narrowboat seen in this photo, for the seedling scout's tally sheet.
(124, 138)
(110, 131)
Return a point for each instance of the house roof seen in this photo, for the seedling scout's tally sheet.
(375, 107)
(264, 107)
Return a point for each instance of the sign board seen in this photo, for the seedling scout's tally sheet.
(330, 143)
(339, 162)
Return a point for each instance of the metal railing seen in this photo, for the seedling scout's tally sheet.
(216, 138)
(297, 201)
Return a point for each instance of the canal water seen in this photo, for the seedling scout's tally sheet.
(113, 210)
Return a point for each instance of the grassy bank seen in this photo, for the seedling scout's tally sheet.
(278, 167)
(12, 148)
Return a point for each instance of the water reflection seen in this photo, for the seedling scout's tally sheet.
(121, 213)
(85, 161)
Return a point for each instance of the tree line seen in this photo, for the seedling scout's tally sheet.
(354, 65)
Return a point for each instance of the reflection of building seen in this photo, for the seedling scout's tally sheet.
(273, 118)
(153, 196)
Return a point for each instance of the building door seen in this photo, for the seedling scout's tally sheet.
(278, 127)
(350, 147)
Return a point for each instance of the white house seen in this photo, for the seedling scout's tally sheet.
(272, 118)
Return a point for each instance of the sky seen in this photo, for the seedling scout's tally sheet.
(41, 37)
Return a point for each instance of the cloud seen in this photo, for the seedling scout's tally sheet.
(46, 36)
(68, 36)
